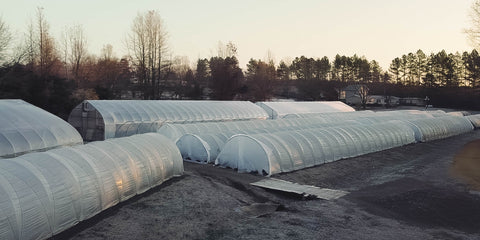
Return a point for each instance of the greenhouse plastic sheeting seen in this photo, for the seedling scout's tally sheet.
(440, 127)
(25, 128)
(366, 116)
(201, 142)
(475, 120)
(103, 119)
(205, 147)
(458, 114)
(292, 150)
(175, 131)
(320, 115)
(280, 109)
(42, 194)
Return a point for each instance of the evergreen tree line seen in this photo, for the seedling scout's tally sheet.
(58, 74)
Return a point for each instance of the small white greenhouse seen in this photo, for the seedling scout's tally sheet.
(280, 109)
(103, 119)
(43, 194)
(285, 151)
(25, 128)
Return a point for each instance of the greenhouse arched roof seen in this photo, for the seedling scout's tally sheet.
(430, 129)
(280, 109)
(285, 151)
(43, 194)
(103, 119)
(25, 128)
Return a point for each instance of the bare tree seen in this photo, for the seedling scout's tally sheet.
(5, 39)
(107, 52)
(474, 31)
(362, 91)
(77, 42)
(147, 46)
(226, 50)
(180, 66)
(40, 46)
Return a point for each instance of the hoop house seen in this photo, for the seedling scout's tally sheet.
(103, 119)
(287, 151)
(280, 109)
(205, 147)
(330, 114)
(25, 128)
(440, 127)
(175, 131)
(42, 194)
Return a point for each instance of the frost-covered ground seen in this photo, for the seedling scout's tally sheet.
(414, 192)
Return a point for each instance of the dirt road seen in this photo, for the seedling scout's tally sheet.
(412, 192)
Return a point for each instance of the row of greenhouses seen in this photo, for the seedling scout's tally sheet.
(50, 180)
(226, 144)
(103, 119)
(25, 128)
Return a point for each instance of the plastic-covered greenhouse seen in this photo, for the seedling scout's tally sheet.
(271, 153)
(440, 127)
(175, 131)
(340, 114)
(367, 116)
(103, 119)
(205, 147)
(201, 142)
(25, 128)
(475, 120)
(280, 109)
(42, 194)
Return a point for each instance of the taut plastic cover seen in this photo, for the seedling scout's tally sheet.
(25, 128)
(271, 153)
(175, 131)
(205, 147)
(440, 127)
(280, 109)
(42, 194)
(103, 119)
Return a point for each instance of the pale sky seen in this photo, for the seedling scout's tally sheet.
(377, 29)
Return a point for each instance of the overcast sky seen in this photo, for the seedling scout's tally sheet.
(376, 29)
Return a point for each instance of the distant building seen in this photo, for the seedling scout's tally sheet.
(412, 101)
(353, 94)
(383, 100)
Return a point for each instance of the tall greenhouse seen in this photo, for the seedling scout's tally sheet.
(104, 119)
